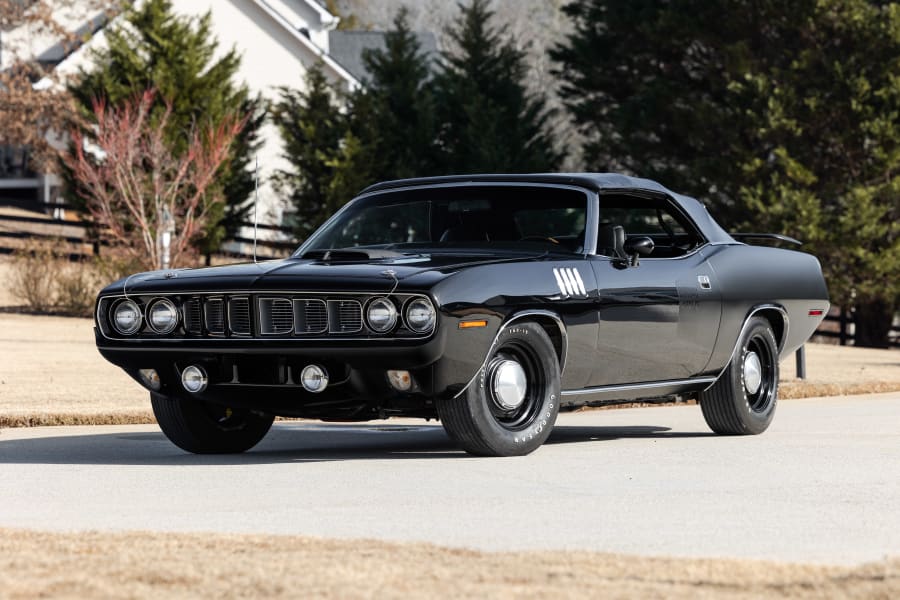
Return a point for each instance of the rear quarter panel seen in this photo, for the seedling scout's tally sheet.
(753, 276)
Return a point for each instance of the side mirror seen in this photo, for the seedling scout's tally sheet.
(638, 246)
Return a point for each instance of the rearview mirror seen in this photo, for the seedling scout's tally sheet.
(638, 246)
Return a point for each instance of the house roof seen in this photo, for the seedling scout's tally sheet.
(347, 48)
(308, 43)
(80, 57)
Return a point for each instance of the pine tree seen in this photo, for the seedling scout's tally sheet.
(490, 123)
(782, 114)
(647, 84)
(312, 128)
(394, 115)
(155, 49)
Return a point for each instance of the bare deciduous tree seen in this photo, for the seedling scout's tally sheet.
(133, 183)
(30, 113)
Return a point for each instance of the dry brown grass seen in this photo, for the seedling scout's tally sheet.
(153, 565)
(789, 390)
(51, 419)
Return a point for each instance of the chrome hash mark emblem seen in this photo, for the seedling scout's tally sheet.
(570, 282)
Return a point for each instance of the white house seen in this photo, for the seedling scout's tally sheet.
(278, 40)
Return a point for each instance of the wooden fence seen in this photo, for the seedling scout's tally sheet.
(19, 226)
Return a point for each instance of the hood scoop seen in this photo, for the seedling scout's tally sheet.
(351, 256)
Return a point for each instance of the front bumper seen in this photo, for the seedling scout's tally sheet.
(264, 374)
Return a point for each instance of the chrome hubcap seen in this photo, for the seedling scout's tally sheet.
(508, 384)
(752, 373)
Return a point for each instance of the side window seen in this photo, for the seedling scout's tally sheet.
(672, 233)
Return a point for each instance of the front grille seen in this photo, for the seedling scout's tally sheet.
(310, 316)
(192, 318)
(344, 316)
(215, 316)
(239, 316)
(276, 316)
(283, 315)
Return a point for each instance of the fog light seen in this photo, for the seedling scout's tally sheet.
(150, 378)
(400, 380)
(314, 378)
(194, 379)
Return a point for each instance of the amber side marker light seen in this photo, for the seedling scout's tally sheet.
(471, 324)
(816, 312)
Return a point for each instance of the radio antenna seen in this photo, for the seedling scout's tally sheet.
(256, 209)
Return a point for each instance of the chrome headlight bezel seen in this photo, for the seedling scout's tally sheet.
(114, 311)
(173, 310)
(418, 304)
(392, 315)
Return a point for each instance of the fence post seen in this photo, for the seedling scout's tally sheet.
(843, 326)
(801, 362)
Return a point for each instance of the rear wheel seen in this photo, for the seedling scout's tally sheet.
(204, 428)
(511, 406)
(743, 400)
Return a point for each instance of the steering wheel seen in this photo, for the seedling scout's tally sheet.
(538, 238)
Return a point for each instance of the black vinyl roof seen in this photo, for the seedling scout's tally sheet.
(596, 182)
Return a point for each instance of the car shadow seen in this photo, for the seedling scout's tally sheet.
(287, 443)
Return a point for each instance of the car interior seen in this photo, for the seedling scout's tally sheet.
(550, 219)
(623, 217)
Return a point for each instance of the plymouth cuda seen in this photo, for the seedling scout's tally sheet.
(489, 302)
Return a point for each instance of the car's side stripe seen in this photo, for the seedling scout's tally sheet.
(559, 282)
(566, 284)
(570, 282)
(579, 281)
(567, 279)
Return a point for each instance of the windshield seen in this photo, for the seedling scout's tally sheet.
(481, 217)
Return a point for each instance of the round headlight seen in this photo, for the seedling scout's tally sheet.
(381, 315)
(420, 315)
(163, 316)
(127, 317)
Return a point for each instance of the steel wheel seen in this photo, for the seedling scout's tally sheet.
(512, 405)
(744, 398)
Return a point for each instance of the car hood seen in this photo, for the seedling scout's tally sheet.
(356, 274)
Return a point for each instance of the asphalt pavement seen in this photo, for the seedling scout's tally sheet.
(822, 485)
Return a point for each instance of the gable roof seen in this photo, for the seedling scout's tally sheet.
(308, 43)
(348, 47)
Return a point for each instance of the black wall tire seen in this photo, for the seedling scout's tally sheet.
(204, 428)
(486, 423)
(734, 405)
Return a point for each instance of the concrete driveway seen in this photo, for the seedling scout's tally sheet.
(822, 485)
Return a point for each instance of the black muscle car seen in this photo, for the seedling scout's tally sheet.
(488, 302)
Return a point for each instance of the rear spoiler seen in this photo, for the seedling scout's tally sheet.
(767, 237)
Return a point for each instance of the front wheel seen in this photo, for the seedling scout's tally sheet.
(204, 428)
(511, 406)
(743, 399)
